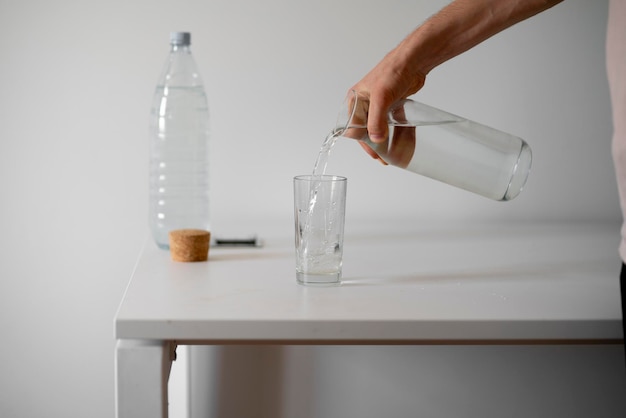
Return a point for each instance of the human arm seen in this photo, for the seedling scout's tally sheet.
(456, 28)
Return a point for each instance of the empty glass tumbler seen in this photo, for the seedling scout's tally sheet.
(443, 146)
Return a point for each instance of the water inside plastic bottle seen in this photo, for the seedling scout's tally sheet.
(179, 172)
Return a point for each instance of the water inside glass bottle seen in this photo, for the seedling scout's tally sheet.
(442, 146)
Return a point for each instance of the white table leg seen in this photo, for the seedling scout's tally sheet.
(142, 369)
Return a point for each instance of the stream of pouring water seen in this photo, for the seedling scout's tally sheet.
(319, 169)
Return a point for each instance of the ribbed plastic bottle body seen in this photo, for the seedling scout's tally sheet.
(179, 149)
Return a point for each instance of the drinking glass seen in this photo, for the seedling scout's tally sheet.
(319, 214)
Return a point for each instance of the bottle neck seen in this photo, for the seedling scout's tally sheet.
(180, 68)
(180, 48)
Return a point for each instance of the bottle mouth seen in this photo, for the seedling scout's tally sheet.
(352, 113)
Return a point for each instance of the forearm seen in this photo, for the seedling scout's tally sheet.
(458, 27)
(462, 25)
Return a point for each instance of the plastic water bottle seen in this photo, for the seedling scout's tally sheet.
(179, 146)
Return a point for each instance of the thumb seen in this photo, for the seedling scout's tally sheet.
(377, 121)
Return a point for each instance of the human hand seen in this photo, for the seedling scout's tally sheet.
(390, 81)
(396, 149)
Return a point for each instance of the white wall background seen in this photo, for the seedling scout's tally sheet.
(76, 81)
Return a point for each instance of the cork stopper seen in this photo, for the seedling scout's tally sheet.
(189, 244)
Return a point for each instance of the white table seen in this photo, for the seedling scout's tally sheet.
(403, 284)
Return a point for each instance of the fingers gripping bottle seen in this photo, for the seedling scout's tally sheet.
(179, 146)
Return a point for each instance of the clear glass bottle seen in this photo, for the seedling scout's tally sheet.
(443, 146)
(179, 146)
